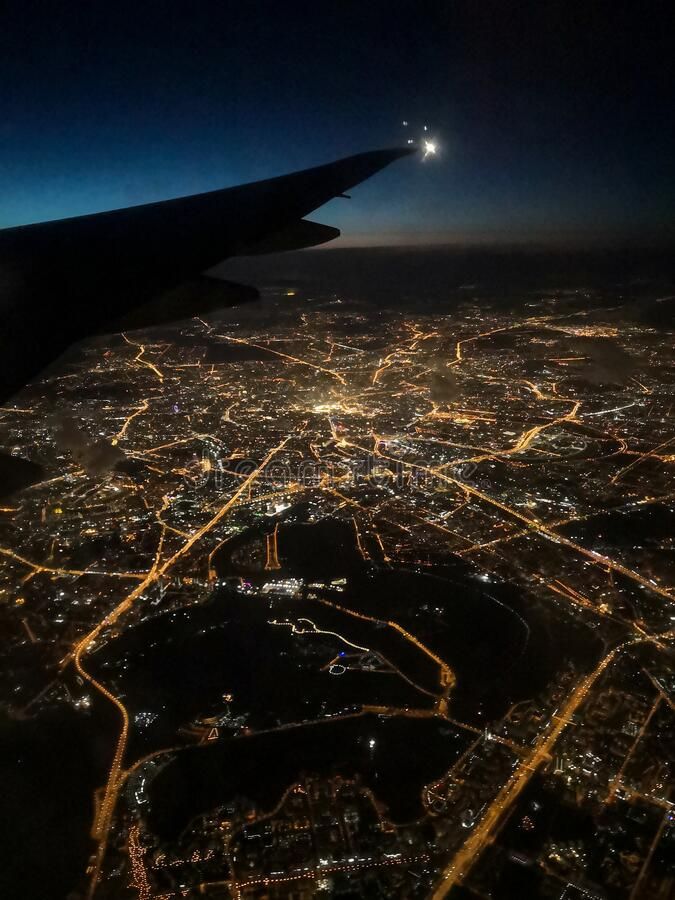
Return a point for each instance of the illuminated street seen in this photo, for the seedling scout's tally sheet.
(338, 534)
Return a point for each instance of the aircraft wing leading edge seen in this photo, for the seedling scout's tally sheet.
(63, 280)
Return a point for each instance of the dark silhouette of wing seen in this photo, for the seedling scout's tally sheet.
(61, 281)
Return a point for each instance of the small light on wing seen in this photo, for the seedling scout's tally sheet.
(430, 149)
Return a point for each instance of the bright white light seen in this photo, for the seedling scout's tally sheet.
(430, 149)
(371, 743)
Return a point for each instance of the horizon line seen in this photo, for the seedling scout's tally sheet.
(575, 238)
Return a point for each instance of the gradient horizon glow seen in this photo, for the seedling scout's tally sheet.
(550, 120)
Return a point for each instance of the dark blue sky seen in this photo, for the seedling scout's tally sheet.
(553, 117)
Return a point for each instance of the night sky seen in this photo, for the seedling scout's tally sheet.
(553, 118)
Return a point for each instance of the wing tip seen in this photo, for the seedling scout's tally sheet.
(352, 170)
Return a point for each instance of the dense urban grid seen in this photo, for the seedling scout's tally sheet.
(355, 603)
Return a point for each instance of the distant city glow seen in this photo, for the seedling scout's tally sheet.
(338, 481)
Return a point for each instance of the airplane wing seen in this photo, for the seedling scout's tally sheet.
(61, 281)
